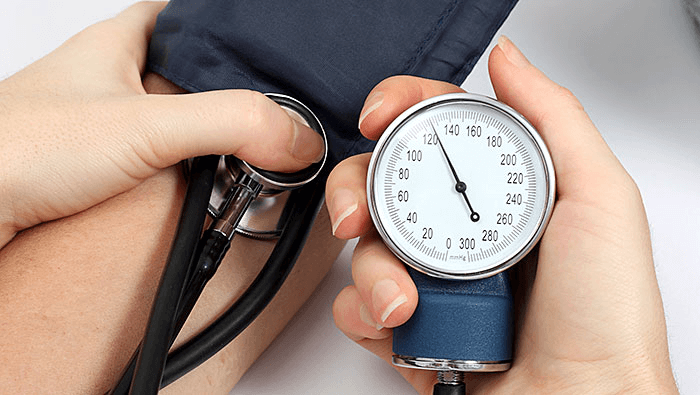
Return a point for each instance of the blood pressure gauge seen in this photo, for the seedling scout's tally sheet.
(460, 186)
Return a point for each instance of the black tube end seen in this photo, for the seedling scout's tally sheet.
(449, 389)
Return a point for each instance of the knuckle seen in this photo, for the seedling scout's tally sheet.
(257, 110)
(267, 121)
(560, 100)
(341, 307)
(365, 248)
(568, 98)
(254, 100)
(390, 81)
(342, 174)
(630, 187)
(336, 309)
(95, 33)
(149, 134)
(138, 6)
(142, 7)
(615, 188)
(332, 182)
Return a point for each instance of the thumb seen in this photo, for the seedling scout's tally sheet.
(243, 123)
(582, 159)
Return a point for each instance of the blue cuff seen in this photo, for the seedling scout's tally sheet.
(327, 53)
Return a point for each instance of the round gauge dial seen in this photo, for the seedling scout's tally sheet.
(460, 186)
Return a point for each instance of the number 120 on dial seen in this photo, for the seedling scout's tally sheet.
(460, 186)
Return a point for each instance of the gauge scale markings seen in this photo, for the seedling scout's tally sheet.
(421, 176)
(404, 143)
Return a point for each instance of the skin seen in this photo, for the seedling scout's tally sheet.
(87, 155)
(590, 316)
(89, 202)
(94, 132)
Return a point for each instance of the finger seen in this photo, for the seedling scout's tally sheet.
(383, 282)
(346, 188)
(352, 316)
(135, 25)
(393, 96)
(581, 157)
(243, 123)
(105, 58)
(597, 239)
(346, 198)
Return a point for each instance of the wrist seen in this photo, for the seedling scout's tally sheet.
(633, 375)
(652, 381)
(650, 377)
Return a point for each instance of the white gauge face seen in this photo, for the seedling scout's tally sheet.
(460, 186)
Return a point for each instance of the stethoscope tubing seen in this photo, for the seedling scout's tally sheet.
(158, 337)
(305, 204)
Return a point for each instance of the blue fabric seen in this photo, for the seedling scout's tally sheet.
(327, 53)
(459, 320)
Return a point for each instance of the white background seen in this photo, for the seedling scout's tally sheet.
(634, 64)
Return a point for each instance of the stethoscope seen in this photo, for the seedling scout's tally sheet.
(460, 187)
(231, 196)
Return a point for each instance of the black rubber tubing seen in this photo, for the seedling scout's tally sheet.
(161, 324)
(449, 389)
(212, 247)
(307, 202)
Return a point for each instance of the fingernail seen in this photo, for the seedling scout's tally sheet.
(387, 297)
(512, 52)
(366, 317)
(342, 205)
(308, 145)
(373, 102)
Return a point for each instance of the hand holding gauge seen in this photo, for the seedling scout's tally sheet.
(510, 176)
(594, 303)
(459, 326)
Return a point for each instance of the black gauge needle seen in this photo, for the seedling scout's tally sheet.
(460, 187)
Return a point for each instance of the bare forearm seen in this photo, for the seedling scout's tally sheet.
(76, 292)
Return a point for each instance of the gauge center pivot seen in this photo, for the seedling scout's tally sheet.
(458, 140)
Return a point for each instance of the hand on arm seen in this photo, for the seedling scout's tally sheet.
(78, 126)
(83, 137)
(592, 320)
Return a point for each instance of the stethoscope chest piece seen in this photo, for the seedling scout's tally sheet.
(266, 192)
